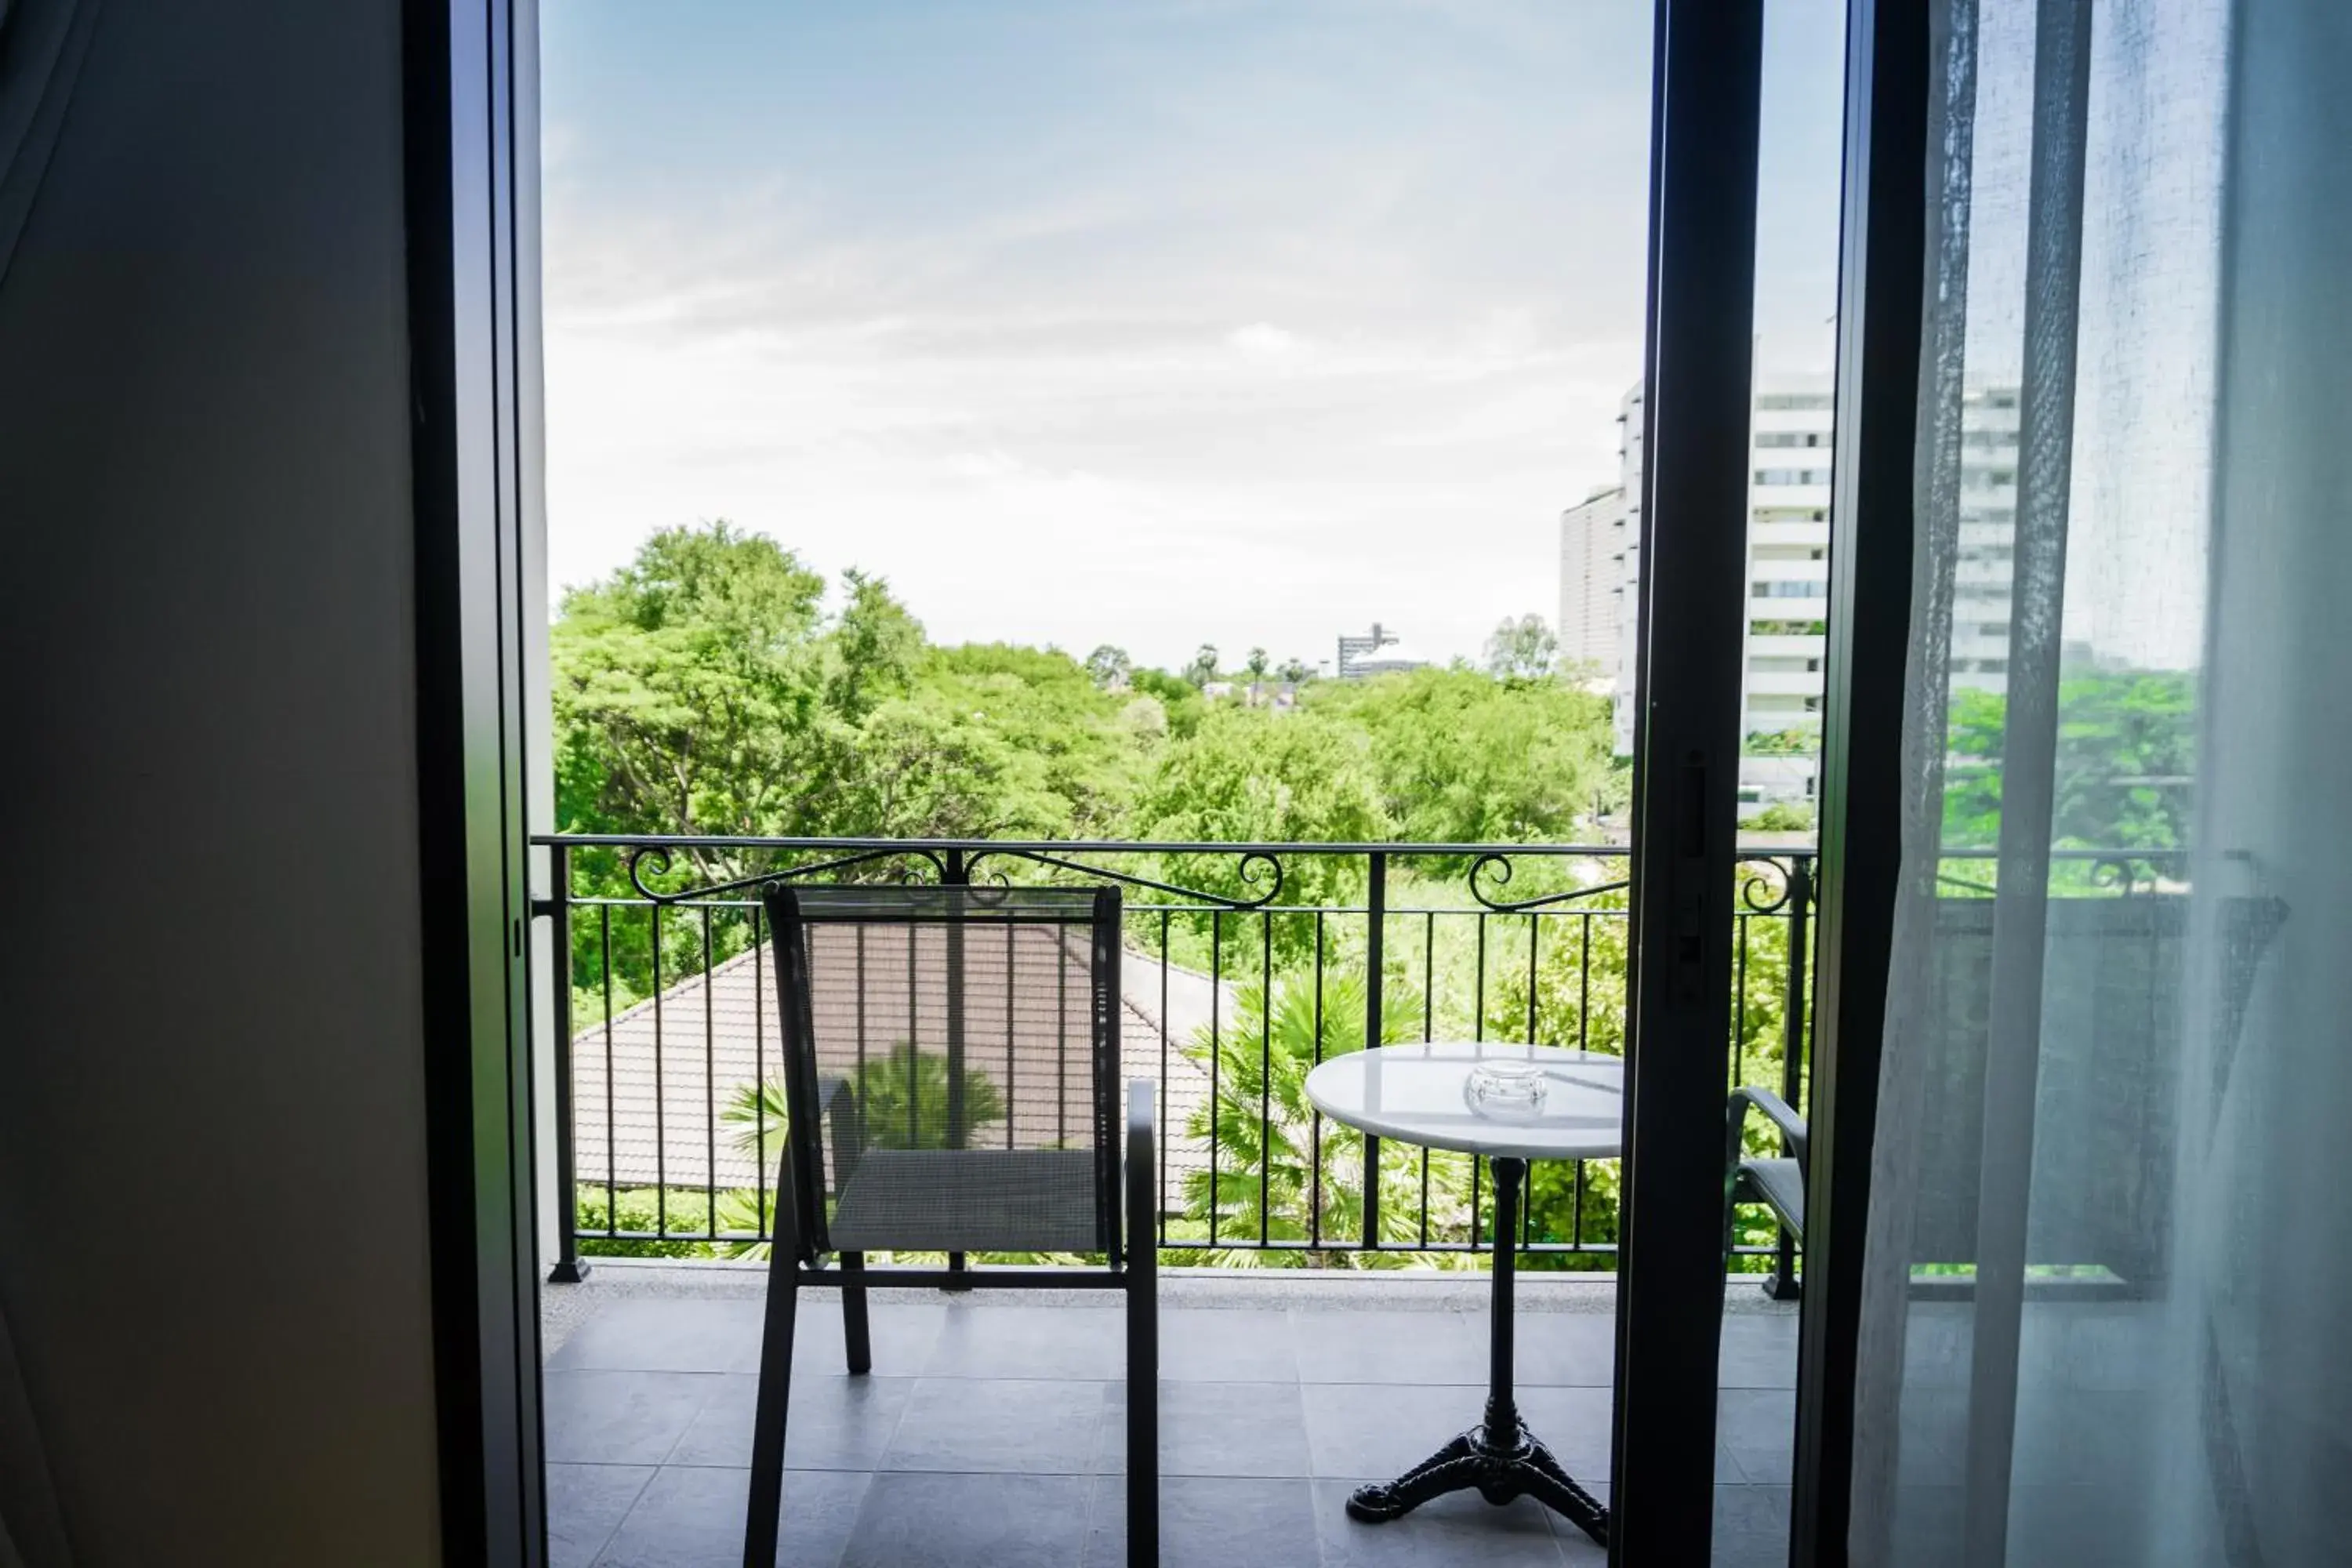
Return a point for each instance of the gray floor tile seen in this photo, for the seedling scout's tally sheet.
(1461, 1529)
(969, 1521)
(664, 1335)
(1366, 1430)
(1211, 1521)
(836, 1422)
(1574, 1424)
(585, 1503)
(1575, 1350)
(1077, 1342)
(621, 1417)
(1751, 1527)
(1390, 1347)
(691, 1517)
(902, 1333)
(1226, 1347)
(1759, 1350)
(1254, 1429)
(1759, 1428)
(1036, 1427)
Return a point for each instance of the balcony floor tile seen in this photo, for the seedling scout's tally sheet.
(991, 1430)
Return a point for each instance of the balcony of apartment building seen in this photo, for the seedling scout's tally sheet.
(1318, 1331)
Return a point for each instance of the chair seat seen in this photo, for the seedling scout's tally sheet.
(1779, 1183)
(969, 1200)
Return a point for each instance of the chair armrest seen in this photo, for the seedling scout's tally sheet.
(1776, 1110)
(1142, 1177)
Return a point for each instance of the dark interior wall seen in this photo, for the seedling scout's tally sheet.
(212, 1244)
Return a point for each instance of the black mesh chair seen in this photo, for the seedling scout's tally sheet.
(2246, 925)
(951, 1084)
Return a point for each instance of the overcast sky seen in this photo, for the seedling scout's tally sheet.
(1150, 322)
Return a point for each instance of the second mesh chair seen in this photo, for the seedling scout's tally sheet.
(952, 1060)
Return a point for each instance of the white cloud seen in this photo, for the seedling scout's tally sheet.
(1264, 341)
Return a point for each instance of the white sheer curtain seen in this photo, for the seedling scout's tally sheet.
(2109, 1311)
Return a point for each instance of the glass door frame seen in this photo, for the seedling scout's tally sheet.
(1882, 282)
(1704, 107)
(1693, 528)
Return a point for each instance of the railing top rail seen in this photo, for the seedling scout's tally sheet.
(1105, 846)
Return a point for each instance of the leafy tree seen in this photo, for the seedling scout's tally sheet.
(1251, 774)
(1181, 704)
(1781, 817)
(1459, 757)
(1296, 671)
(1522, 650)
(1204, 668)
(1109, 666)
(1262, 1122)
(2127, 755)
(1257, 664)
(702, 689)
(1801, 740)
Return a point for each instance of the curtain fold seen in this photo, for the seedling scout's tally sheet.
(2109, 1276)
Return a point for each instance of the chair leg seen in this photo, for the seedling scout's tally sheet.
(854, 1329)
(763, 1521)
(1142, 1422)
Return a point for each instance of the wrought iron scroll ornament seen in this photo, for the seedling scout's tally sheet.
(1251, 867)
(1495, 866)
(1764, 885)
(656, 858)
(1259, 873)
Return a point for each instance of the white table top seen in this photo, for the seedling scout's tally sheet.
(1414, 1093)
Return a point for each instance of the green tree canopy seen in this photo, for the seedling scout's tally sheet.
(2127, 755)
(1458, 757)
(1522, 650)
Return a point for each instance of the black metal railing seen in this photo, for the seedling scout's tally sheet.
(1246, 963)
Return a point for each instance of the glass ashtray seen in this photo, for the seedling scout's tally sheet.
(1505, 1091)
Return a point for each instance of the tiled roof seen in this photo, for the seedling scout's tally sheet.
(649, 1095)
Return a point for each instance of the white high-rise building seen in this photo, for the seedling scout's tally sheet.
(1789, 462)
(1592, 537)
(1788, 588)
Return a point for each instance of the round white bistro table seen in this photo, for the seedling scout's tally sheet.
(1418, 1094)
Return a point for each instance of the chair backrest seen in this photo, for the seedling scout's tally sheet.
(2109, 1045)
(976, 1027)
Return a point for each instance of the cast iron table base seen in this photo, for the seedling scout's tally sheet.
(1500, 1457)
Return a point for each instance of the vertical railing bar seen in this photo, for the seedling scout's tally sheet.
(1376, 906)
(1217, 1052)
(1428, 1028)
(1266, 1078)
(1477, 1230)
(1576, 1238)
(1479, 992)
(709, 1090)
(914, 1038)
(661, 1106)
(1584, 981)
(1795, 1029)
(1315, 1133)
(1535, 923)
(1012, 1099)
(1061, 1051)
(567, 1268)
(760, 1070)
(864, 1090)
(611, 1145)
(1739, 1005)
(1167, 1134)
